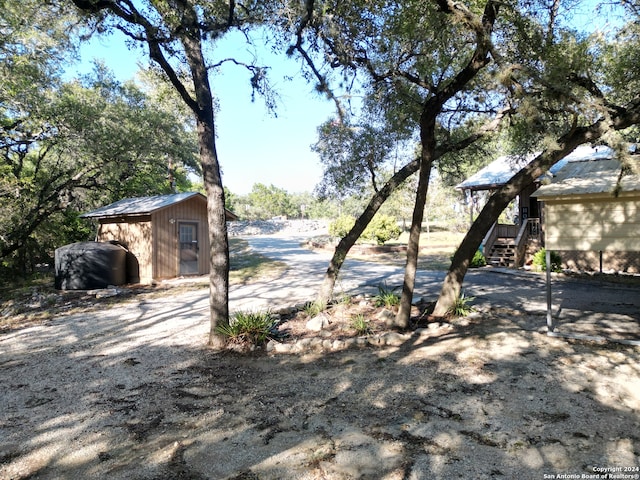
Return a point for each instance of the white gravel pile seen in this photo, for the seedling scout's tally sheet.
(273, 227)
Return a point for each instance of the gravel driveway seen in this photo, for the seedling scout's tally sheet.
(133, 393)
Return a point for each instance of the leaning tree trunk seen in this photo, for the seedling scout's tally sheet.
(428, 140)
(340, 254)
(342, 249)
(452, 284)
(479, 60)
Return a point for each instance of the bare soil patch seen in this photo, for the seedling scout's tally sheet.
(131, 392)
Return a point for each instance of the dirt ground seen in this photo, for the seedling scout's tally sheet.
(130, 391)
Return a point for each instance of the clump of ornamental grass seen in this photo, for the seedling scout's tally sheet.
(386, 297)
(253, 328)
(462, 306)
(313, 308)
(360, 324)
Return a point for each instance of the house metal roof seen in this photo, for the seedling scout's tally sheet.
(139, 205)
(589, 177)
(500, 171)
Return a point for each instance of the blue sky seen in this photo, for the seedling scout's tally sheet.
(254, 146)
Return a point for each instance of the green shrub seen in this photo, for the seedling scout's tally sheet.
(478, 260)
(341, 226)
(382, 229)
(540, 261)
(249, 327)
(386, 297)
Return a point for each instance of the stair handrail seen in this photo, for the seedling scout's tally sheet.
(489, 240)
(521, 242)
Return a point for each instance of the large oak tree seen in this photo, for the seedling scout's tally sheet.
(517, 64)
(180, 38)
(429, 58)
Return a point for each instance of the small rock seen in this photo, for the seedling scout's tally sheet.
(337, 345)
(393, 339)
(387, 316)
(318, 322)
(316, 343)
(104, 292)
(349, 342)
(422, 332)
(303, 343)
(285, 310)
(282, 347)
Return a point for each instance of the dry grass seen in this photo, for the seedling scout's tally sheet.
(248, 266)
(436, 249)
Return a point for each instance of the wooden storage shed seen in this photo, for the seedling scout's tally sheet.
(166, 235)
(592, 215)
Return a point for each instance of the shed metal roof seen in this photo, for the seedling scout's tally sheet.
(140, 205)
(500, 171)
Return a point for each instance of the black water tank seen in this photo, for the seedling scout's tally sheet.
(89, 265)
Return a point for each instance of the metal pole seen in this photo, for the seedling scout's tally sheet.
(550, 326)
(600, 261)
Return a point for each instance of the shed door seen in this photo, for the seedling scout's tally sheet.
(188, 233)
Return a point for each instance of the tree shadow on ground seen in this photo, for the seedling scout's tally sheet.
(133, 397)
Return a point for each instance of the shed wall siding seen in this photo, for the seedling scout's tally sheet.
(138, 239)
(165, 236)
(607, 224)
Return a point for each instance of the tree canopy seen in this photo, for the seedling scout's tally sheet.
(69, 146)
(458, 71)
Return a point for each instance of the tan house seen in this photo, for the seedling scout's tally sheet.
(591, 215)
(582, 217)
(509, 244)
(166, 235)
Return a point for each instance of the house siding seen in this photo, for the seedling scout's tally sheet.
(628, 262)
(604, 224)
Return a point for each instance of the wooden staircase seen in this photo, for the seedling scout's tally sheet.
(502, 253)
(509, 245)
